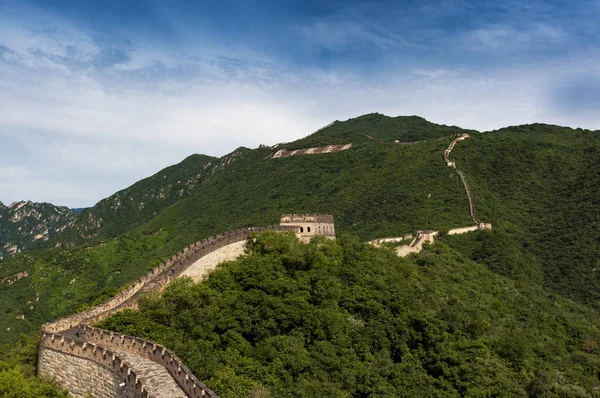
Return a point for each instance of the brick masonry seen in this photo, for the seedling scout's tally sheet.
(93, 362)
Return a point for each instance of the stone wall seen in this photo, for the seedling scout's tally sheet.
(87, 360)
(153, 351)
(456, 231)
(200, 269)
(417, 244)
(284, 153)
(380, 241)
(80, 376)
(478, 227)
(155, 280)
(87, 369)
(463, 179)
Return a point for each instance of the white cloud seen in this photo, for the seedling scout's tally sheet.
(504, 37)
(87, 131)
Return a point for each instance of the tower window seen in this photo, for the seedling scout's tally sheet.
(301, 229)
(307, 229)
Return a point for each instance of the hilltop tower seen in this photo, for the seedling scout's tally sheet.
(309, 225)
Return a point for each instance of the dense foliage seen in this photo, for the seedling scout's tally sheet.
(41, 286)
(460, 326)
(540, 187)
(17, 372)
(344, 319)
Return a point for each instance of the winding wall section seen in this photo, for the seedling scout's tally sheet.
(463, 179)
(91, 361)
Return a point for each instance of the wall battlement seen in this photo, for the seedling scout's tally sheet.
(309, 225)
(51, 366)
(153, 351)
(70, 343)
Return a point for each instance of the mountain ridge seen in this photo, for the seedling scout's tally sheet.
(375, 189)
(536, 184)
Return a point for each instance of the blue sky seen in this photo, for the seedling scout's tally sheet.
(97, 95)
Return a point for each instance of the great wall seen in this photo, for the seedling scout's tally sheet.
(284, 153)
(478, 225)
(88, 361)
(428, 236)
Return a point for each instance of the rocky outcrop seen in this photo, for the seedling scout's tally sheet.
(284, 153)
(25, 224)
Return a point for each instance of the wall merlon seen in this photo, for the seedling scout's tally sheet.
(93, 352)
(153, 351)
(101, 348)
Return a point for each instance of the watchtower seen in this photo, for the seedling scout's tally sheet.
(309, 225)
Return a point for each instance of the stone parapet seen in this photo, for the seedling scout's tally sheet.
(153, 351)
(95, 353)
(100, 347)
(157, 279)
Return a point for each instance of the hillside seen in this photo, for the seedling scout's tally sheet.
(141, 201)
(540, 187)
(341, 318)
(25, 225)
(377, 188)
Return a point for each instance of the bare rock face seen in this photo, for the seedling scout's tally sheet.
(25, 224)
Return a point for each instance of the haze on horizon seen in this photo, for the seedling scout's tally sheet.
(95, 95)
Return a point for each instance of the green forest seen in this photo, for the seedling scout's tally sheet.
(345, 319)
(17, 372)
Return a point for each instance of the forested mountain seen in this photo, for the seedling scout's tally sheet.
(145, 199)
(537, 184)
(27, 225)
(141, 201)
(540, 187)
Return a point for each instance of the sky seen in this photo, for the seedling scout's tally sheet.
(96, 95)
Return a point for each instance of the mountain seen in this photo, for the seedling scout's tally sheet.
(536, 184)
(141, 201)
(25, 225)
(540, 187)
(145, 199)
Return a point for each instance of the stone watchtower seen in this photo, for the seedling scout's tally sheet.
(309, 225)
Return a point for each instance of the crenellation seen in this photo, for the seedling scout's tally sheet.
(310, 225)
(69, 340)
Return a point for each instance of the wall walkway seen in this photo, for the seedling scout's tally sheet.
(463, 179)
(91, 361)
